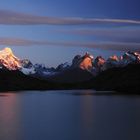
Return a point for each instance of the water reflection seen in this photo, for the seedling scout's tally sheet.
(8, 116)
(87, 114)
(53, 115)
(87, 108)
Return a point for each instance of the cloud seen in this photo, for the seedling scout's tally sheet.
(114, 34)
(101, 31)
(16, 18)
(17, 42)
(120, 46)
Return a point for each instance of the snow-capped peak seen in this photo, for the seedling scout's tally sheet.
(9, 60)
(85, 62)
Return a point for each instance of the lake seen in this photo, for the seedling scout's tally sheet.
(68, 115)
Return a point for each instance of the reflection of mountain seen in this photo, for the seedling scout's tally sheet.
(9, 118)
(115, 73)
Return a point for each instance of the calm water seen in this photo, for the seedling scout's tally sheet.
(68, 115)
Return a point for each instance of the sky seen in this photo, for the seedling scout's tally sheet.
(53, 31)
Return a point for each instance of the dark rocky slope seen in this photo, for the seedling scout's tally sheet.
(72, 75)
(16, 80)
(125, 79)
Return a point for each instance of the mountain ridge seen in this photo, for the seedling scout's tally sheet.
(85, 72)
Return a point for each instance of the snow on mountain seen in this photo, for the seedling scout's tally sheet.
(26, 63)
(130, 57)
(85, 62)
(99, 63)
(42, 71)
(112, 61)
(137, 55)
(63, 66)
(9, 60)
(27, 67)
(28, 71)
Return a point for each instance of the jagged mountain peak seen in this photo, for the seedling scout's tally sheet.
(9, 60)
(83, 62)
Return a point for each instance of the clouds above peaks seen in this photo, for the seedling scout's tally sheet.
(16, 18)
(113, 34)
(120, 46)
(101, 31)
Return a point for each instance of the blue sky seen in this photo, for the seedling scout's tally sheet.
(52, 31)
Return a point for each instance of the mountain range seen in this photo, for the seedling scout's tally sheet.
(115, 73)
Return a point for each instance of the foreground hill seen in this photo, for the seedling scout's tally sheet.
(124, 79)
(16, 80)
(73, 75)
